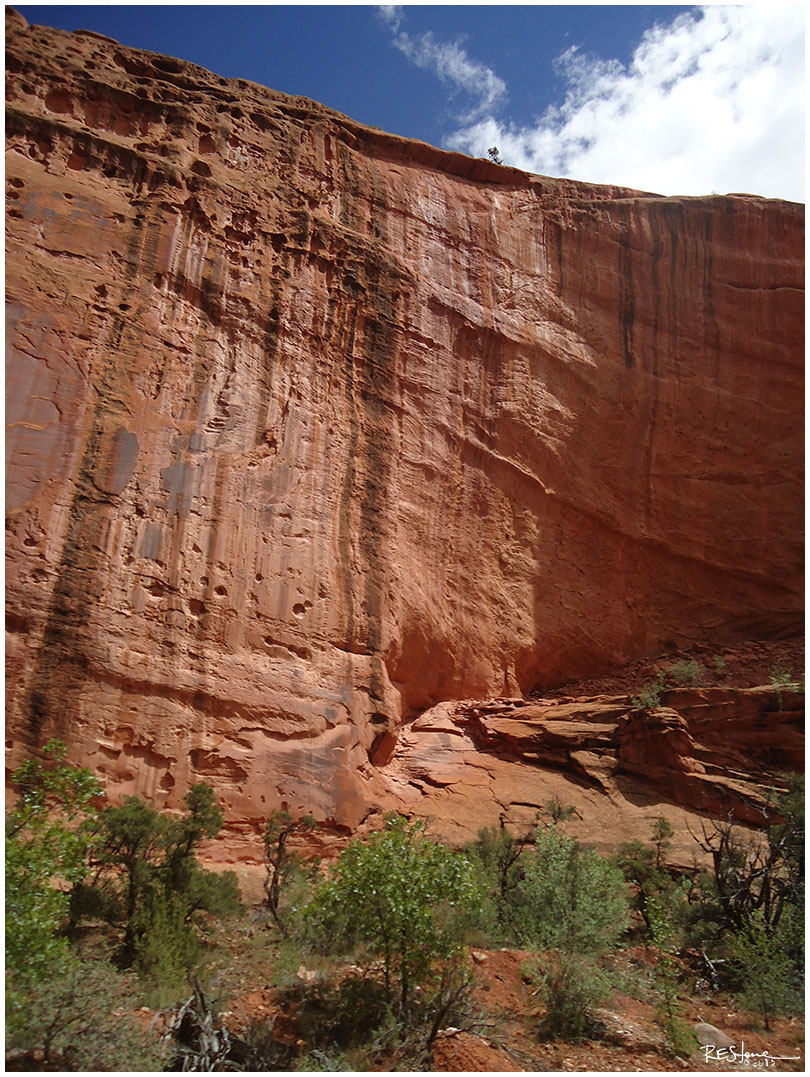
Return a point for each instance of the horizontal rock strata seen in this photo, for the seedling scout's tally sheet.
(311, 427)
(703, 752)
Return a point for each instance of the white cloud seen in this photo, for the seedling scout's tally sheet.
(449, 62)
(713, 101)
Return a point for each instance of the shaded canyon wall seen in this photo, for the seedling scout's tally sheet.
(311, 427)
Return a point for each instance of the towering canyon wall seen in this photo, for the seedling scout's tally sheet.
(311, 427)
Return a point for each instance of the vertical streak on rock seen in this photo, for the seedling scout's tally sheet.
(270, 346)
(80, 578)
(375, 279)
(627, 306)
(375, 388)
(347, 495)
(710, 330)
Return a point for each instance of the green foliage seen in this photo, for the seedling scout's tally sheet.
(756, 880)
(497, 855)
(571, 987)
(781, 675)
(47, 841)
(406, 898)
(146, 877)
(558, 811)
(166, 946)
(650, 695)
(79, 1021)
(763, 960)
(670, 1015)
(286, 874)
(570, 898)
(719, 664)
(645, 867)
(686, 674)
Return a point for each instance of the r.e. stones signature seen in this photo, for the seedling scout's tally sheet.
(759, 1060)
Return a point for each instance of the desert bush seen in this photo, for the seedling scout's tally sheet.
(754, 881)
(571, 987)
(770, 978)
(497, 856)
(670, 1014)
(146, 877)
(286, 875)
(81, 1020)
(781, 675)
(406, 899)
(650, 695)
(570, 898)
(47, 842)
(686, 674)
(644, 866)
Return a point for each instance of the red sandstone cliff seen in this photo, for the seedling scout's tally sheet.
(312, 427)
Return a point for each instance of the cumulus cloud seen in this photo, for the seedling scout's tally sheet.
(713, 101)
(449, 62)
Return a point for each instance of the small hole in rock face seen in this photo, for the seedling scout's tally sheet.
(28, 541)
(156, 588)
(259, 577)
(220, 591)
(16, 183)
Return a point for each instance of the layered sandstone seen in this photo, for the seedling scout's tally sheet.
(703, 752)
(312, 428)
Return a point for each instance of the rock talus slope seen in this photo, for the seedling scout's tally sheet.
(312, 427)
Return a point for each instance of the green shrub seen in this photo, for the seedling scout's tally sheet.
(571, 987)
(570, 897)
(644, 866)
(79, 1020)
(781, 675)
(650, 695)
(166, 947)
(288, 881)
(497, 856)
(686, 674)
(771, 981)
(679, 1037)
(404, 897)
(147, 878)
(47, 841)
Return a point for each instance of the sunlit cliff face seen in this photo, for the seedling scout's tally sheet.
(312, 427)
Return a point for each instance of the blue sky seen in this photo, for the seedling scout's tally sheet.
(679, 100)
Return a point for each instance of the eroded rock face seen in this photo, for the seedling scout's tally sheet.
(312, 427)
(703, 752)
